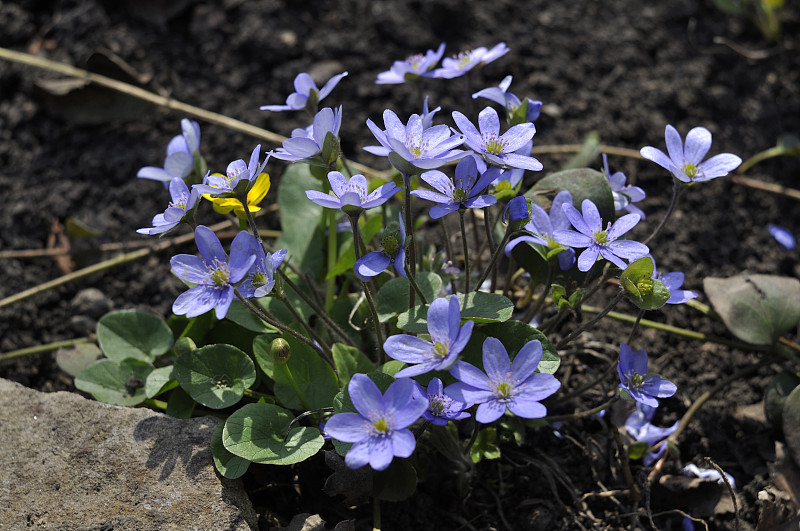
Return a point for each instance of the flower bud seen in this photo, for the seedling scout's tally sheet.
(280, 351)
(183, 345)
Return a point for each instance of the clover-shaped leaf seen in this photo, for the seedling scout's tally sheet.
(256, 432)
(756, 308)
(215, 375)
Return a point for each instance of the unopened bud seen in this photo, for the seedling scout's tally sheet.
(183, 345)
(280, 351)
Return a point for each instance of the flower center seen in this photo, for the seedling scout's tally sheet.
(601, 237)
(414, 61)
(381, 426)
(180, 202)
(504, 390)
(645, 286)
(417, 146)
(463, 59)
(689, 169)
(218, 273)
(439, 350)
(493, 144)
(503, 186)
(635, 381)
(259, 279)
(439, 405)
(460, 195)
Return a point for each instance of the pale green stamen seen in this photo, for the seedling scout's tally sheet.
(381, 426)
(504, 390)
(439, 350)
(689, 169)
(493, 144)
(259, 279)
(635, 381)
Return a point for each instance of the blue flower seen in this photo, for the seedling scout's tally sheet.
(783, 236)
(423, 148)
(413, 68)
(461, 194)
(632, 370)
(496, 148)
(624, 196)
(639, 428)
(260, 279)
(308, 143)
(236, 172)
(306, 94)
(374, 263)
(183, 201)
(692, 470)
(466, 61)
(379, 429)
(504, 385)
(599, 241)
(448, 339)
(427, 116)
(686, 162)
(509, 101)
(441, 406)
(673, 281)
(212, 272)
(516, 211)
(352, 194)
(180, 159)
(542, 226)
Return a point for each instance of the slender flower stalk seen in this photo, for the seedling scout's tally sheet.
(466, 251)
(353, 216)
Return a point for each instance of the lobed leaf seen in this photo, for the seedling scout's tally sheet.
(256, 432)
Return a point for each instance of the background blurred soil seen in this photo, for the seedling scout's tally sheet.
(623, 68)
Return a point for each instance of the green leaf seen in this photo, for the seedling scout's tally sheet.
(781, 385)
(484, 446)
(256, 432)
(396, 483)
(582, 183)
(392, 299)
(644, 291)
(791, 423)
(757, 309)
(215, 375)
(350, 361)
(115, 382)
(160, 381)
(638, 449)
(133, 334)
(180, 405)
(77, 358)
(314, 378)
(515, 334)
(231, 466)
(481, 307)
(239, 314)
(300, 224)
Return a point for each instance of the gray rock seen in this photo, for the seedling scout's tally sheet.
(91, 302)
(69, 463)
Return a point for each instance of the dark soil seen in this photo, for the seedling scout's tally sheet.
(624, 69)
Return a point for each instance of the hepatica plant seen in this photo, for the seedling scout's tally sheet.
(307, 338)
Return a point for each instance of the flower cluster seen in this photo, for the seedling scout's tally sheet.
(449, 369)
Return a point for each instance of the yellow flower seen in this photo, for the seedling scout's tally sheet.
(256, 194)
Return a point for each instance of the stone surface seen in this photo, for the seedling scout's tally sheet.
(69, 463)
